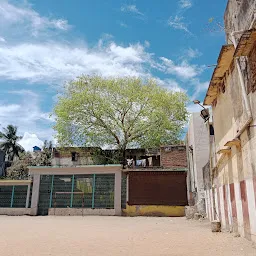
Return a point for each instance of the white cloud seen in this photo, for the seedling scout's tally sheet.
(2, 39)
(26, 114)
(192, 53)
(177, 22)
(199, 88)
(104, 40)
(131, 9)
(169, 84)
(122, 24)
(147, 43)
(5, 110)
(28, 141)
(194, 108)
(55, 62)
(13, 16)
(183, 70)
(35, 54)
(185, 4)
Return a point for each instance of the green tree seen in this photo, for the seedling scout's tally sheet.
(19, 168)
(44, 157)
(119, 112)
(9, 142)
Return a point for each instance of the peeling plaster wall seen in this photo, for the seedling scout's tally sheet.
(238, 15)
(229, 114)
(223, 115)
(235, 176)
(67, 161)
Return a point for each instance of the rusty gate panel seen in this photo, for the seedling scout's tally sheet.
(157, 188)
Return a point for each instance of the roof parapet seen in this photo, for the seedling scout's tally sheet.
(246, 43)
(224, 61)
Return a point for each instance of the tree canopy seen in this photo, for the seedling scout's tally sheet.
(119, 112)
(9, 142)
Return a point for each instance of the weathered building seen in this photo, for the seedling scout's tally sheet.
(77, 156)
(73, 156)
(231, 93)
(197, 141)
(101, 189)
(159, 190)
(173, 156)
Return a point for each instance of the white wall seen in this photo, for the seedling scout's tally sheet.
(198, 138)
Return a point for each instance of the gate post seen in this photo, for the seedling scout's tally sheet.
(35, 194)
(93, 191)
(12, 198)
(28, 195)
(118, 192)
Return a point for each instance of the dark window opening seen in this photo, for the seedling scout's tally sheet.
(74, 156)
(211, 129)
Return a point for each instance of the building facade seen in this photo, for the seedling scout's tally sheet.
(197, 141)
(231, 196)
(159, 190)
(101, 189)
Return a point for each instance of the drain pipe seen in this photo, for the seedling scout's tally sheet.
(242, 84)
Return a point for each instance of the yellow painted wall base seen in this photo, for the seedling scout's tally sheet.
(154, 210)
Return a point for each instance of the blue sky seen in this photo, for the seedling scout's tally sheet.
(45, 43)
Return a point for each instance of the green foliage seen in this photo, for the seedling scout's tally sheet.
(104, 157)
(19, 168)
(119, 112)
(9, 142)
(44, 157)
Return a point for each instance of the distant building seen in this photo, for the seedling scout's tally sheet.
(159, 190)
(77, 184)
(76, 156)
(197, 141)
(36, 149)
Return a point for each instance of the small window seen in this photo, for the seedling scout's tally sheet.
(211, 129)
(74, 156)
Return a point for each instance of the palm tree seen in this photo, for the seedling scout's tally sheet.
(9, 142)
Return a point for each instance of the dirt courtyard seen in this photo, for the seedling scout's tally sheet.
(64, 236)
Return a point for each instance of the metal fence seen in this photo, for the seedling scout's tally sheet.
(13, 196)
(76, 191)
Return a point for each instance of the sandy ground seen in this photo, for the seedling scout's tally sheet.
(61, 236)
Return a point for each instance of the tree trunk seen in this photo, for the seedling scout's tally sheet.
(122, 157)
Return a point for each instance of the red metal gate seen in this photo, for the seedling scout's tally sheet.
(157, 188)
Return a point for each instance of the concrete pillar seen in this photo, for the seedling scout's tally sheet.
(118, 185)
(35, 194)
(28, 195)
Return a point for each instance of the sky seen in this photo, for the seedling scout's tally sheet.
(44, 44)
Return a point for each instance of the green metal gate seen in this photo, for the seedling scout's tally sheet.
(76, 191)
(44, 194)
(13, 196)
